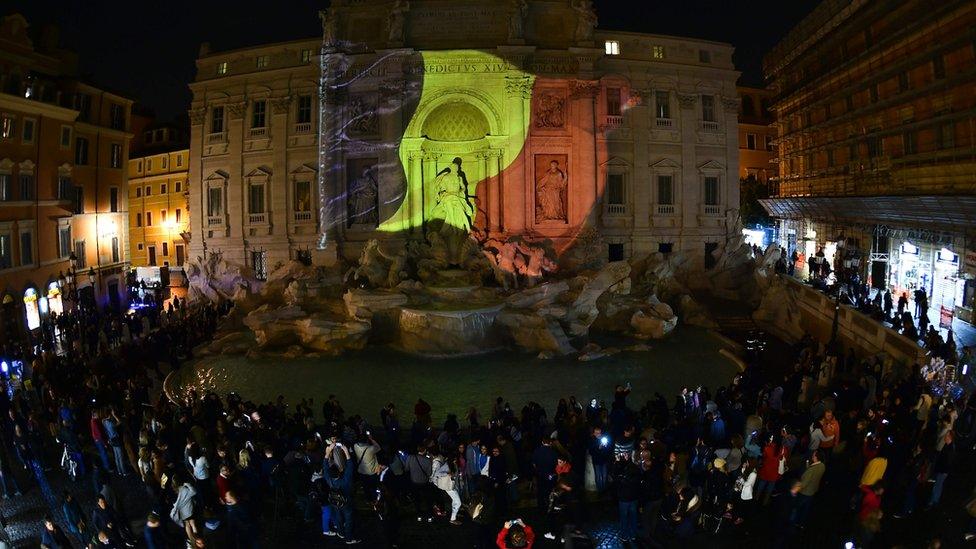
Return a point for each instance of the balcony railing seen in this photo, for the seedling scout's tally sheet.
(257, 218)
(664, 123)
(617, 208)
(711, 209)
(614, 121)
(303, 217)
(219, 137)
(257, 132)
(215, 221)
(665, 209)
(709, 126)
(304, 127)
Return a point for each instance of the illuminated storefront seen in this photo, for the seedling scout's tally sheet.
(54, 302)
(32, 309)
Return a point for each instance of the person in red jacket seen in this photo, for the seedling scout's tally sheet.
(769, 473)
(515, 535)
(98, 437)
(869, 516)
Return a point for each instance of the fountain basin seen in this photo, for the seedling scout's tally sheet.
(443, 333)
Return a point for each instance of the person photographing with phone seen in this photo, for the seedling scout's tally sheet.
(515, 535)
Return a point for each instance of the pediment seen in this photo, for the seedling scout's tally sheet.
(304, 169)
(616, 162)
(260, 171)
(218, 174)
(665, 163)
(711, 165)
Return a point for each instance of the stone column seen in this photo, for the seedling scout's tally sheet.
(730, 194)
(415, 176)
(195, 203)
(690, 182)
(639, 117)
(277, 193)
(584, 94)
(516, 209)
(234, 202)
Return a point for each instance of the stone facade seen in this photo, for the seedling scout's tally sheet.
(253, 154)
(521, 120)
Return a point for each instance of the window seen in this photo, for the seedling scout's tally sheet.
(852, 153)
(148, 190)
(711, 190)
(116, 155)
(139, 167)
(113, 199)
(657, 52)
(163, 163)
(26, 248)
(27, 132)
(258, 114)
(179, 187)
(708, 108)
(613, 101)
(27, 186)
(162, 188)
(217, 120)
(615, 189)
(303, 197)
(178, 215)
(612, 47)
(769, 144)
(139, 246)
(81, 151)
(222, 68)
(138, 192)
(259, 264)
(304, 113)
(830, 158)
(255, 198)
(165, 248)
(6, 187)
(6, 252)
(908, 143)
(82, 104)
(115, 250)
(665, 247)
(662, 104)
(81, 261)
(262, 61)
(873, 93)
(875, 148)
(151, 253)
(827, 111)
(215, 202)
(938, 67)
(138, 219)
(704, 56)
(147, 138)
(179, 162)
(751, 141)
(79, 199)
(849, 103)
(7, 124)
(808, 162)
(162, 216)
(64, 241)
(945, 136)
(903, 82)
(615, 251)
(117, 114)
(66, 191)
(306, 56)
(665, 190)
(149, 219)
(65, 137)
(149, 165)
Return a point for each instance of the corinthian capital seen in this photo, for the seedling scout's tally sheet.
(518, 86)
(198, 115)
(584, 88)
(687, 100)
(237, 110)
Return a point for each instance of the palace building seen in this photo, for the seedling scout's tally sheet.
(410, 120)
(874, 106)
(63, 147)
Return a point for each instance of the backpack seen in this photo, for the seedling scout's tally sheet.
(337, 499)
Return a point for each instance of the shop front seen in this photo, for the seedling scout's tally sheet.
(932, 268)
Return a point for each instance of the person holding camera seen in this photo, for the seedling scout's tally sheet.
(626, 477)
(516, 534)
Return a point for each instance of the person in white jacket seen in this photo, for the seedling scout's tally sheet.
(443, 478)
(184, 508)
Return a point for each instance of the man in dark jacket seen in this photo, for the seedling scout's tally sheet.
(544, 465)
(626, 477)
(241, 528)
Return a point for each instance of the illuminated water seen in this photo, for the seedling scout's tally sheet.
(366, 381)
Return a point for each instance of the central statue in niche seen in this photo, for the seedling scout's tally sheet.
(452, 214)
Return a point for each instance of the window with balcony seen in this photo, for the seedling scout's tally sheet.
(303, 114)
(708, 108)
(711, 192)
(255, 202)
(662, 108)
(665, 194)
(613, 101)
(215, 206)
(303, 201)
(616, 193)
(657, 52)
(612, 47)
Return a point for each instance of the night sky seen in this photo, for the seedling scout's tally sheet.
(146, 50)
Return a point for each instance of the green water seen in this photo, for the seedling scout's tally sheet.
(365, 381)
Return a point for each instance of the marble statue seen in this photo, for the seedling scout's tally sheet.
(516, 24)
(585, 21)
(362, 199)
(550, 194)
(452, 209)
(397, 19)
(328, 19)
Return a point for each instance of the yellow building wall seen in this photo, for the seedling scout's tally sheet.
(158, 218)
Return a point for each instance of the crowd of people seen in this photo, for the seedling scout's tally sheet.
(742, 461)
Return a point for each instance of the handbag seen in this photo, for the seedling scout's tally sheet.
(781, 468)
